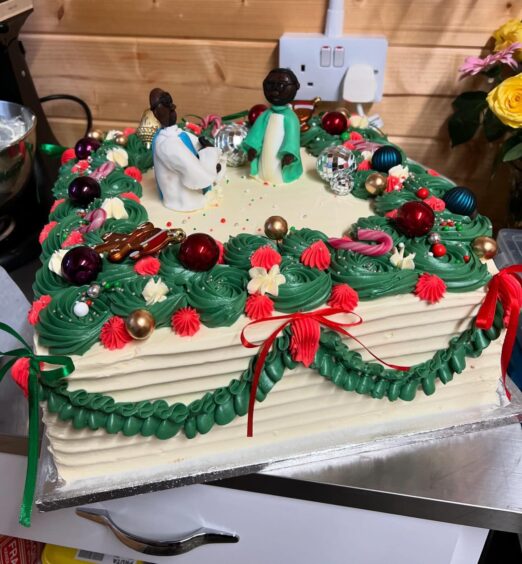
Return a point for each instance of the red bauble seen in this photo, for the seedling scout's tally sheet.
(423, 193)
(415, 219)
(334, 123)
(255, 112)
(198, 252)
(438, 250)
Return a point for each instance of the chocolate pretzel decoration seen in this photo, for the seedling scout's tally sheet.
(144, 240)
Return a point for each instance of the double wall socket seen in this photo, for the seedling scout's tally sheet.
(321, 62)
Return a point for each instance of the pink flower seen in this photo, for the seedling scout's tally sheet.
(475, 65)
(38, 305)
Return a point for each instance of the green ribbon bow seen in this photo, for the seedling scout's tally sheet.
(66, 367)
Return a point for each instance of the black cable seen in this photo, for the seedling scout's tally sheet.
(83, 104)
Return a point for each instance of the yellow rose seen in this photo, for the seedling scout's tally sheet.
(505, 101)
(506, 35)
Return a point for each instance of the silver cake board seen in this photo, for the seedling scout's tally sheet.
(52, 493)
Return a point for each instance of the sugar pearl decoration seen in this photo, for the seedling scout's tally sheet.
(375, 183)
(80, 309)
(93, 291)
(433, 238)
(276, 227)
(140, 324)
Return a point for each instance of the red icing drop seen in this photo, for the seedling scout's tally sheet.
(44, 233)
(134, 172)
(343, 297)
(392, 214)
(317, 256)
(74, 238)
(114, 334)
(130, 196)
(364, 165)
(56, 203)
(185, 322)
(41, 303)
(265, 257)
(355, 136)
(393, 183)
(430, 288)
(129, 131)
(305, 340)
(20, 374)
(80, 166)
(432, 172)
(67, 155)
(147, 266)
(436, 204)
(259, 306)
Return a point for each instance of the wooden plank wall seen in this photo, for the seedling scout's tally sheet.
(213, 54)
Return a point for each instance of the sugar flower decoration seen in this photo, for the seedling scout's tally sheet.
(118, 156)
(400, 261)
(361, 122)
(400, 172)
(112, 134)
(55, 262)
(265, 282)
(155, 291)
(114, 208)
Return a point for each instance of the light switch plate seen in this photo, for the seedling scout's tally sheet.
(301, 52)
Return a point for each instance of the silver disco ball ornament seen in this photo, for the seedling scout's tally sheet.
(229, 138)
(342, 182)
(333, 159)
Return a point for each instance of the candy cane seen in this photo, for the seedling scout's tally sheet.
(383, 240)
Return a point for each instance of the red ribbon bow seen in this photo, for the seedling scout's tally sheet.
(505, 286)
(320, 316)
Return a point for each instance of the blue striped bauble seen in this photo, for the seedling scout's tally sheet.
(460, 200)
(385, 158)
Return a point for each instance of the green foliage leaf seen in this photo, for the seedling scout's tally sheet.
(470, 101)
(513, 153)
(493, 127)
(465, 121)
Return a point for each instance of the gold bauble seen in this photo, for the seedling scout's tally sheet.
(147, 127)
(140, 324)
(375, 183)
(276, 227)
(121, 140)
(485, 247)
(96, 134)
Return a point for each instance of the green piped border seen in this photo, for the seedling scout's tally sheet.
(334, 361)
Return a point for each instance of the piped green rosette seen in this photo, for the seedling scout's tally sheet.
(219, 296)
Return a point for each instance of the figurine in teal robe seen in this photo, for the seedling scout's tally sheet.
(273, 142)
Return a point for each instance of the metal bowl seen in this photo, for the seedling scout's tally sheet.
(17, 148)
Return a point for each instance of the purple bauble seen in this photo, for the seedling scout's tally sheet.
(83, 190)
(81, 265)
(85, 147)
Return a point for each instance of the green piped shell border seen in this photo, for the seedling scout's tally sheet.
(334, 361)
